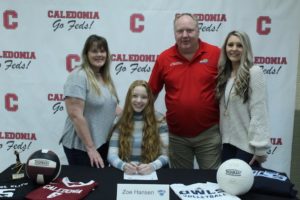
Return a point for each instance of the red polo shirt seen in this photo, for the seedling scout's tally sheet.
(190, 89)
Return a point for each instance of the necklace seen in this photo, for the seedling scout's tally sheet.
(228, 99)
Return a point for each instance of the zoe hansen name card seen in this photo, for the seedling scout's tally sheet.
(143, 191)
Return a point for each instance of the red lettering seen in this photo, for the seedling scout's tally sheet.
(276, 141)
(7, 22)
(17, 136)
(270, 60)
(55, 97)
(210, 17)
(261, 27)
(9, 105)
(73, 14)
(69, 59)
(133, 23)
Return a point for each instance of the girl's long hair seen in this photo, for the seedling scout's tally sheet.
(243, 74)
(151, 140)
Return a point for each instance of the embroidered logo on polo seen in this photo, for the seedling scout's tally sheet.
(175, 63)
(203, 61)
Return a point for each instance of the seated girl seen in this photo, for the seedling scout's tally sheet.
(139, 141)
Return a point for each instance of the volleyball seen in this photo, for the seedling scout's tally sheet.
(235, 177)
(43, 166)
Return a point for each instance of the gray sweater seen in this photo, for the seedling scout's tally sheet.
(246, 124)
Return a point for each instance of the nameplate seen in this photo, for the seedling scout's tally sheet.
(143, 191)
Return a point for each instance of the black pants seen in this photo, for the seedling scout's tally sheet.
(78, 157)
(229, 151)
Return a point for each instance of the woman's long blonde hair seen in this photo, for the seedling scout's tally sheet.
(151, 140)
(105, 70)
(243, 74)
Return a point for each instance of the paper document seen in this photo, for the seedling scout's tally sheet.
(152, 176)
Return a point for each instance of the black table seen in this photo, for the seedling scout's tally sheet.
(109, 177)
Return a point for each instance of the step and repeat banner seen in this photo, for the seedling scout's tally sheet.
(41, 42)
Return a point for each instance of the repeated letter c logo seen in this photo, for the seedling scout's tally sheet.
(261, 27)
(7, 19)
(10, 102)
(134, 27)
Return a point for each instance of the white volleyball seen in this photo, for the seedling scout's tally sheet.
(235, 177)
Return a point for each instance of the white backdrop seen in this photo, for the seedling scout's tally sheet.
(41, 41)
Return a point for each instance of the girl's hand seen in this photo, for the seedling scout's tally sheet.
(130, 168)
(144, 169)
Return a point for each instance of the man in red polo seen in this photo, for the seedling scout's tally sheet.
(188, 71)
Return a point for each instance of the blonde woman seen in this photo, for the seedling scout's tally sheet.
(139, 139)
(91, 102)
(241, 90)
